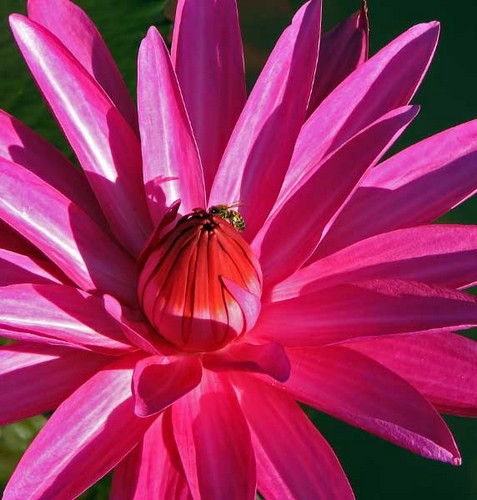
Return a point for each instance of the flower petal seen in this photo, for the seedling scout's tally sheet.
(416, 186)
(85, 438)
(281, 251)
(366, 308)
(213, 440)
(105, 144)
(172, 168)
(22, 146)
(280, 430)
(81, 37)
(158, 381)
(440, 365)
(342, 51)
(276, 108)
(36, 378)
(353, 388)
(152, 470)
(208, 58)
(386, 81)
(64, 233)
(61, 312)
(439, 254)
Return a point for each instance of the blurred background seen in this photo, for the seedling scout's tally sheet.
(377, 470)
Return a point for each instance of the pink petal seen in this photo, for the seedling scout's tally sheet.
(61, 312)
(366, 308)
(18, 268)
(439, 254)
(22, 146)
(64, 233)
(208, 57)
(342, 51)
(158, 381)
(281, 251)
(275, 108)
(172, 168)
(440, 365)
(413, 187)
(14, 242)
(105, 144)
(353, 388)
(293, 459)
(386, 81)
(81, 37)
(36, 378)
(213, 440)
(152, 469)
(85, 438)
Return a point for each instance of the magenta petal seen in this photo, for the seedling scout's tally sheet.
(172, 168)
(416, 186)
(84, 439)
(342, 50)
(22, 146)
(438, 254)
(366, 308)
(280, 430)
(152, 470)
(353, 388)
(80, 36)
(281, 251)
(104, 142)
(213, 440)
(440, 365)
(208, 58)
(61, 312)
(276, 108)
(158, 381)
(386, 81)
(36, 378)
(65, 234)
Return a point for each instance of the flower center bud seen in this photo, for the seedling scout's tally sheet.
(200, 285)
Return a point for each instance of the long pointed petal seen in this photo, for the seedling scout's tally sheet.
(172, 168)
(61, 312)
(214, 441)
(105, 144)
(65, 234)
(366, 308)
(36, 378)
(280, 430)
(353, 388)
(280, 251)
(208, 58)
(81, 37)
(440, 365)
(276, 108)
(414, 187)
(152, 470)
(84, 439)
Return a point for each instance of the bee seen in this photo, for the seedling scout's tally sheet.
(233, 217)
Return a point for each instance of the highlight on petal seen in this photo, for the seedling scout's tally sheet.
(106, 146)
(84, 439)
(171, 163)
(275, 108)
(213, 440)
(317, 473)
(440, 365)
(353, 388)
(207, 55)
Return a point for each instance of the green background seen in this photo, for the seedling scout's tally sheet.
(376, 469)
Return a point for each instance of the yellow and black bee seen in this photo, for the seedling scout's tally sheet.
(233, 217)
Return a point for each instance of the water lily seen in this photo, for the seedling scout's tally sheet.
(220, 258)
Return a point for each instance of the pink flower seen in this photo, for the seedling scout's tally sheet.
(172, 345)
